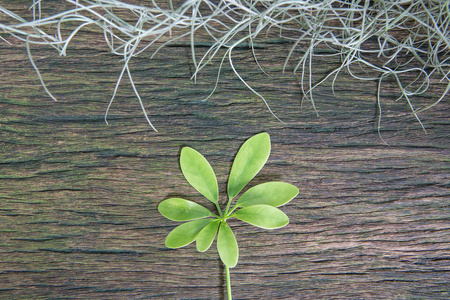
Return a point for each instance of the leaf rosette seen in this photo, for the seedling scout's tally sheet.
(257, 206)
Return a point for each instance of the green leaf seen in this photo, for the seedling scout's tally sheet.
(269, 193)
(206, 237)
(185, 233)
(199, 174)
(250, 158)
(227, 245)
(264, 216)
(177, 209)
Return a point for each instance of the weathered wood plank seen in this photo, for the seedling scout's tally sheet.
(79, 197)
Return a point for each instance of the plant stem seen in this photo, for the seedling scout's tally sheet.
(231, 211)
(228, 206)
(218, 209)
(227, 271)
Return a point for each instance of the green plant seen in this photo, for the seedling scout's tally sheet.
(406, 42)
(256, 206)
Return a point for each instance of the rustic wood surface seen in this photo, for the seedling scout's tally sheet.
(78, 198)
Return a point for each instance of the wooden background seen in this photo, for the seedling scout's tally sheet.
(78, 198)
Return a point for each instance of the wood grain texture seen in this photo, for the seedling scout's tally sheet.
(78, 198)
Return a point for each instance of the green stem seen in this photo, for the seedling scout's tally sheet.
(228, 206)
(231, 211)
(227, 271)
(218, 209)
